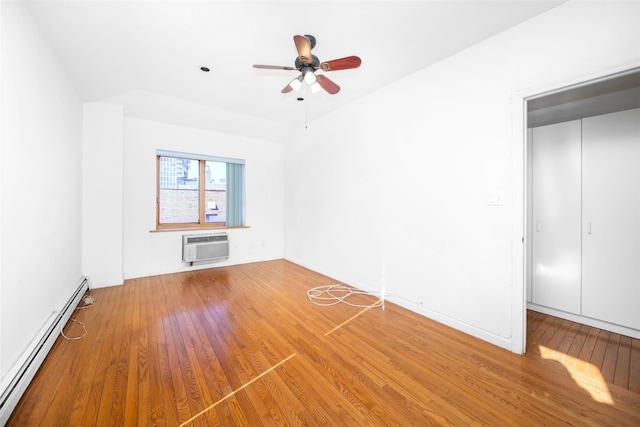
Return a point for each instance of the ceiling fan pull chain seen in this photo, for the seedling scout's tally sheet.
(306, 118)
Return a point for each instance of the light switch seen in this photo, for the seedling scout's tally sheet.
(495, 198)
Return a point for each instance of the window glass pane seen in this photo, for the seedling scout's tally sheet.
(178, 198)
(215, 209)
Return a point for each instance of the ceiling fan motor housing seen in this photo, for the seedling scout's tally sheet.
(315, 63)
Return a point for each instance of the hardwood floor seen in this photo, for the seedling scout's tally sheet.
(581, 348)
(243, 345)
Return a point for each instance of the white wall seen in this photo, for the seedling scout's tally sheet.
(149, 253)
(390, 193)
(102, 192)
(41, 184)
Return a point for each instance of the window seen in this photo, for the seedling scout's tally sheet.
(195, 191)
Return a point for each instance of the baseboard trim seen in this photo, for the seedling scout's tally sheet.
(474, 331)
(23, 371)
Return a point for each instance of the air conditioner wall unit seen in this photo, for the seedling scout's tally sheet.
(205, 247)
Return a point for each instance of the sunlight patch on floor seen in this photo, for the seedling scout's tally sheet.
(586, 375)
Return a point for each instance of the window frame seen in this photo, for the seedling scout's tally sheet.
(202, 161)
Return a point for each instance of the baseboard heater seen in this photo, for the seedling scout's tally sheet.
(36, 352)
(204, 247)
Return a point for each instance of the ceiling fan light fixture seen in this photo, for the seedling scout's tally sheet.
(315, 87)
(296, 83)
(309, 76)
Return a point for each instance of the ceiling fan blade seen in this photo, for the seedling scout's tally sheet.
(341, 64)
(303, 45)
(328, 85)
(273, 67)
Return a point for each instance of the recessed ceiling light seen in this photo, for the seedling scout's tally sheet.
(205, 69)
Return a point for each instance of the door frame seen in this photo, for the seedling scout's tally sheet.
(520, 183)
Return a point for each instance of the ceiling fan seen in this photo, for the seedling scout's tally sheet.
(308, 64)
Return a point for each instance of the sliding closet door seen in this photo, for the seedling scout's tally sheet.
(556, 252)
(611, 218)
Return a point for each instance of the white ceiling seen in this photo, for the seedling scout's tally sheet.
(147, 54)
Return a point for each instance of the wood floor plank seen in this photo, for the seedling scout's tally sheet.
(577, 343)
(204, 370)
(157, 414)
(623, 363)
(132, 391)
(111, 380)
(549, 350)
(634, 366)
(543, 334)
(534, 320)
(178, 367)
(599, 350)
(562, 348)
(586, 353)
(608, 369)
(116, 405)
(243, 345)
(163, 365)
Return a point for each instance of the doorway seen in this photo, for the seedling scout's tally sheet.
(610, 92)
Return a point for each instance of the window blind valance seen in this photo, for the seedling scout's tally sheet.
(181, 155)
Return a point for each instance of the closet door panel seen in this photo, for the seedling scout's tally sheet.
(556, 252)
(611, 218)
(529, 222)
